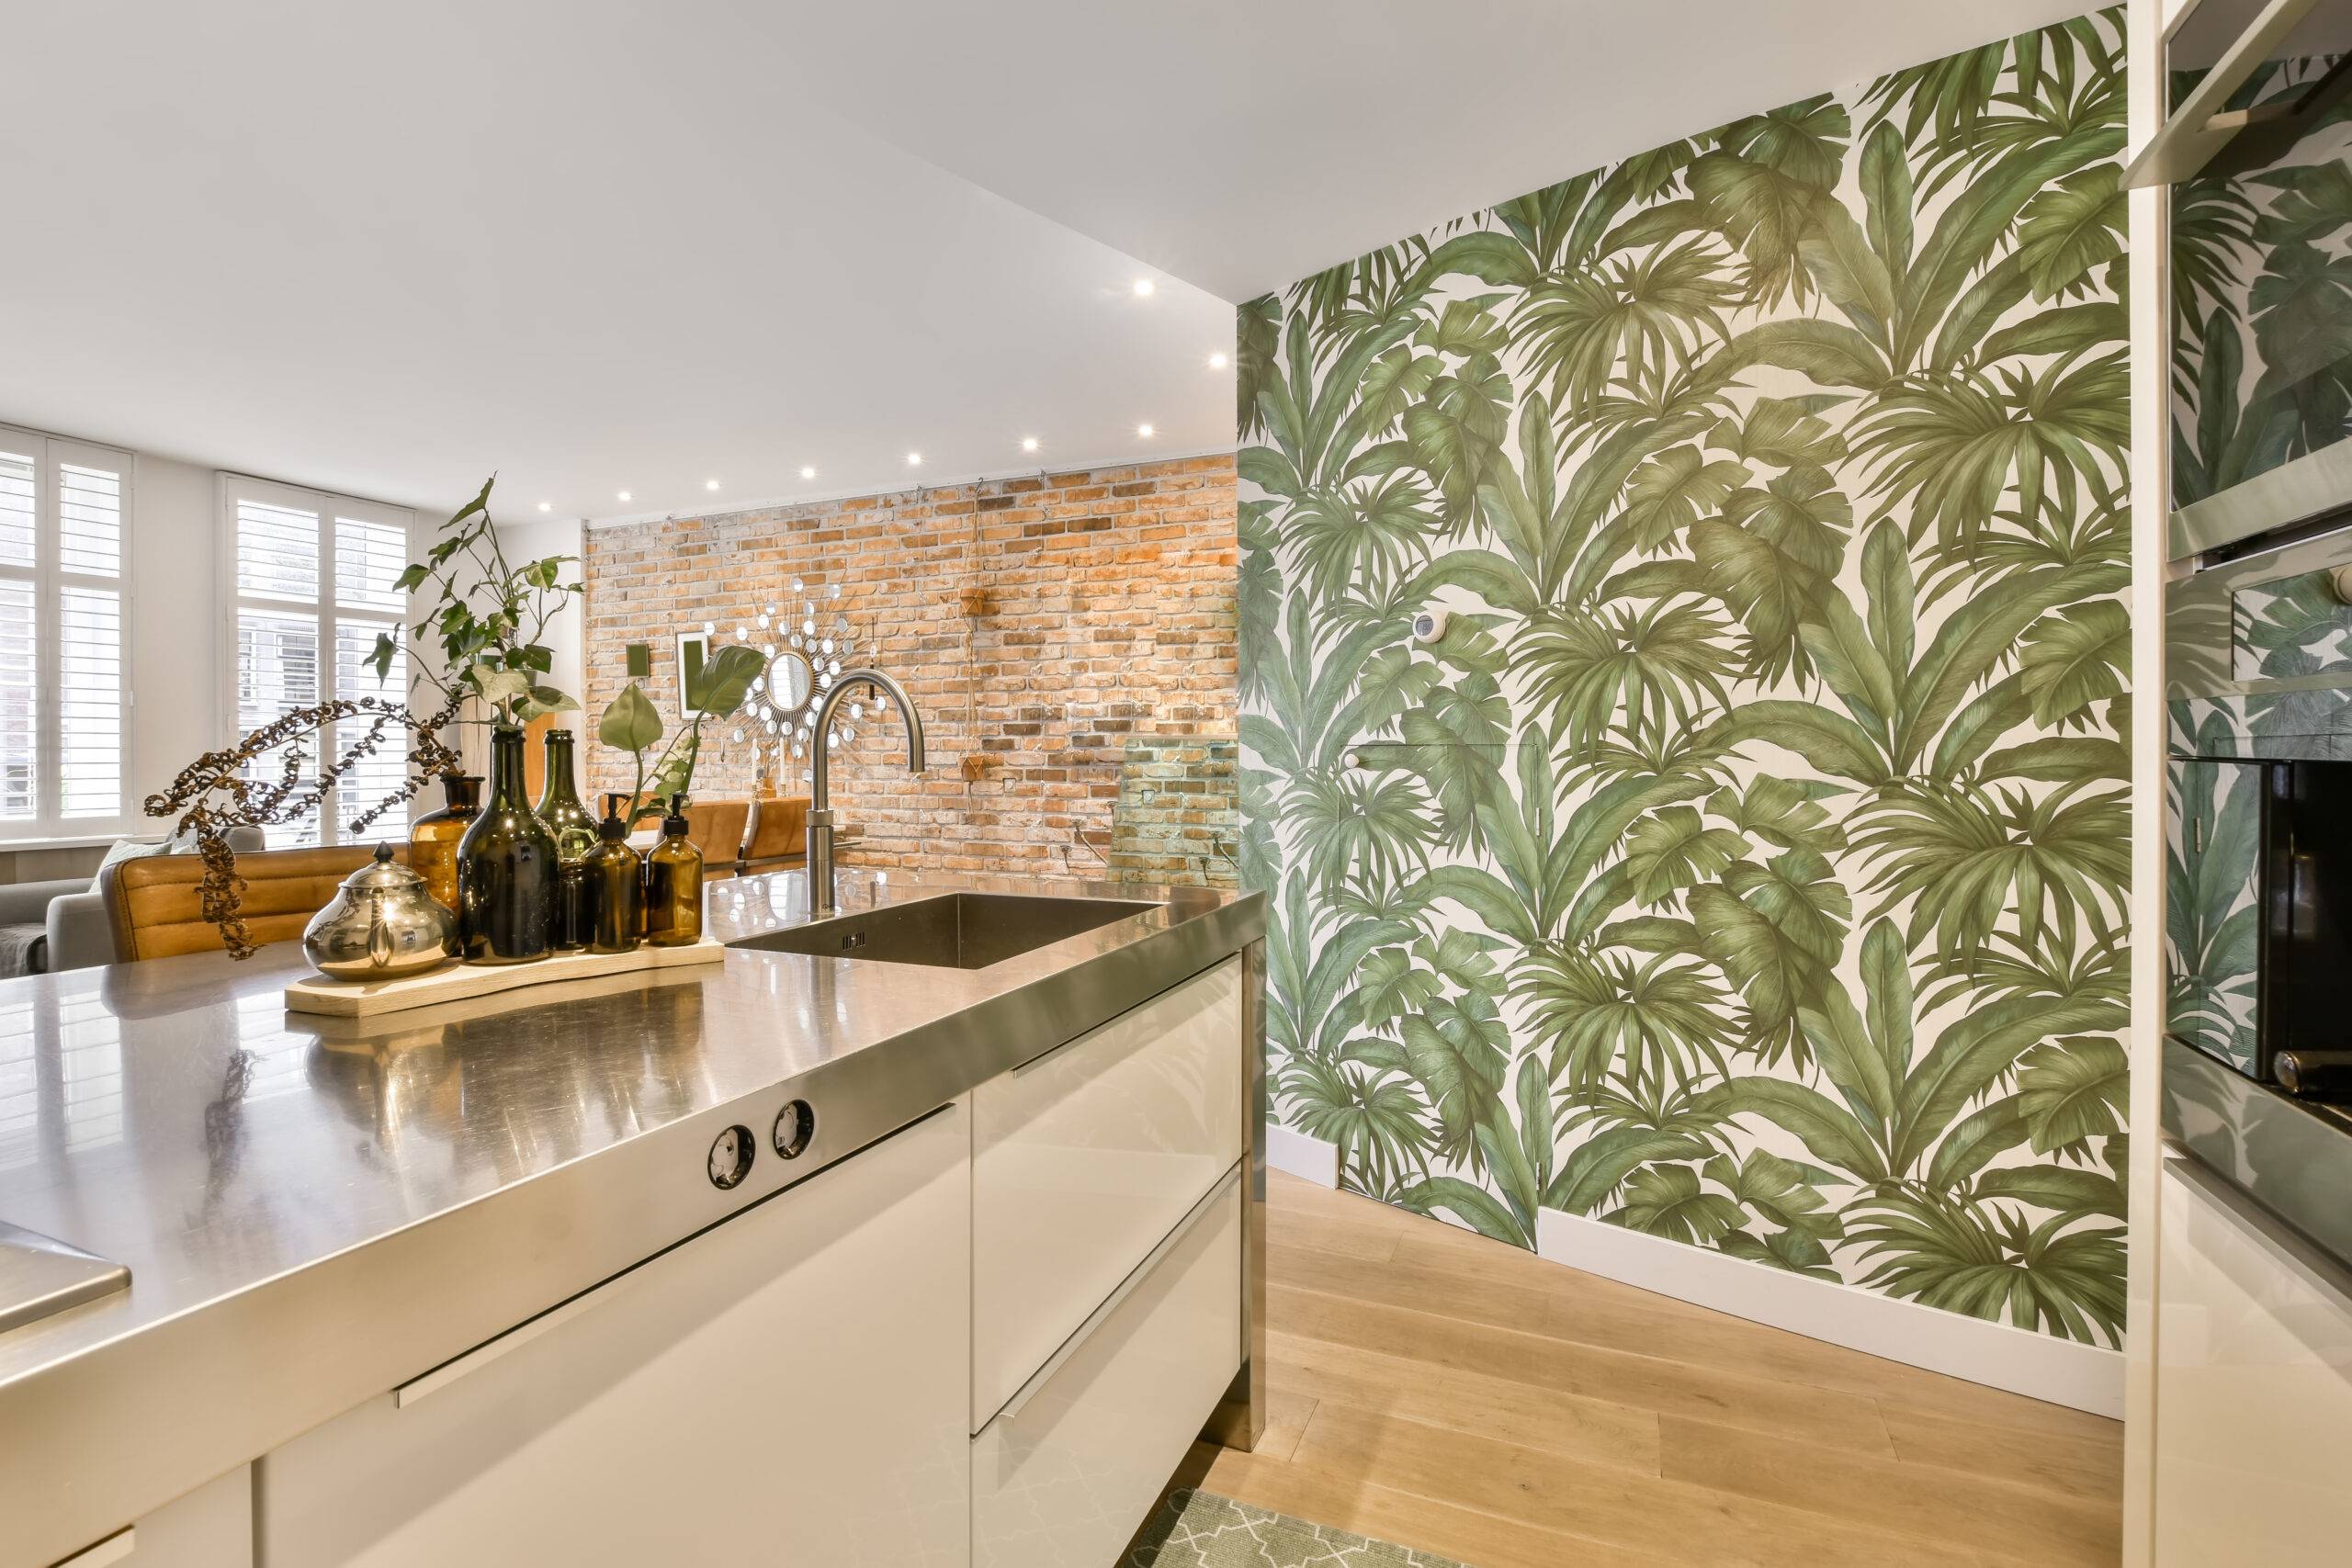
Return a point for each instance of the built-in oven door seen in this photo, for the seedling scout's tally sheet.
(2257, 152)
(2213, 908)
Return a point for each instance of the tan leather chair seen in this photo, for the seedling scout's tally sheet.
(155, 905)
(779, 830)
(715, 827)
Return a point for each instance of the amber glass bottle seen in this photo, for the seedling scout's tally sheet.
(674, 883)
(575, 835)
(433, 838)
(612, 888)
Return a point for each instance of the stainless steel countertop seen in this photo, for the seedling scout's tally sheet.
(316, 1210)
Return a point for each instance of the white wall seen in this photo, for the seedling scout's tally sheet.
(532, 541)
(178, 646)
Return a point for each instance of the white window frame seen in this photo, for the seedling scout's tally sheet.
(50, 579)
(327, 505)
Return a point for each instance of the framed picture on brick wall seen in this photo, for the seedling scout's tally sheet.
(693, 651)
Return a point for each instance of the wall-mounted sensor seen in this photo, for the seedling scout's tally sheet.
(1428, 625)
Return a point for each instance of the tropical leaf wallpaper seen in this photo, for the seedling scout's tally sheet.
(1743, 862)
(2262, 296)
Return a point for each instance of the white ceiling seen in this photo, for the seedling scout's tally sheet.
(600, 246)
(1244, 144)
(593, 247)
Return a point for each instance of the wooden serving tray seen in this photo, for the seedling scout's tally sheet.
(455, 982)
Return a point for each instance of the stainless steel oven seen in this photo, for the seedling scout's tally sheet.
(2258, 926)
(2257, 152)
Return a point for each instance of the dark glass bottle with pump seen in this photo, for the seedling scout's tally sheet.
(507, 867)
(674, 883)
(612, 888)
(575, 834)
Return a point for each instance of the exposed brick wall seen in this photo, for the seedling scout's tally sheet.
(1178, 819)
(1108, 613)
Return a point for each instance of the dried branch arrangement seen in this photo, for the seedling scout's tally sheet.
(212, 794)
(488, 616)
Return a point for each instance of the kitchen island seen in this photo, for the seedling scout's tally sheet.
(468, 1268)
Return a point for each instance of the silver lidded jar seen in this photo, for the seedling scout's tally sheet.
(382, 925)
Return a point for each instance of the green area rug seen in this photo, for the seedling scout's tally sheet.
(1200, 1530)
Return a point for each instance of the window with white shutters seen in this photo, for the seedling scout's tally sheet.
(64, 668)
(310, 579)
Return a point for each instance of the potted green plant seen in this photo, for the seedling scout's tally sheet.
(632, 723)
(488, 616)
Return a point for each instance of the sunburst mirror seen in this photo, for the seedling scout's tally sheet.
(806, 641)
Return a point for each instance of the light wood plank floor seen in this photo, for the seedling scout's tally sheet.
(1442, 1391)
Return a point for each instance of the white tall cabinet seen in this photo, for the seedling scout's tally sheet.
(2254, 1388)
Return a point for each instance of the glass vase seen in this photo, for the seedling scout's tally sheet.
(575, 837)
(507, 868)
(433, 838)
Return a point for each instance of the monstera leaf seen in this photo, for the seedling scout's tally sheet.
(1669, 492)
(2073, 1090)
(1668, 1200)
(1390, 986)
(1674, 849)
(2075, 659)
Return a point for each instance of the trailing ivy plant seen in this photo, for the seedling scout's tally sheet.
(489, 618)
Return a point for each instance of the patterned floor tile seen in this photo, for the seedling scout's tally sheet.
(1200, 1530)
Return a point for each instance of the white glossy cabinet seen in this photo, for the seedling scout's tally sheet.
(212, 1527)
(788, 1387)
(1083, 1161)
(1067, 1472)
(2254, 1377)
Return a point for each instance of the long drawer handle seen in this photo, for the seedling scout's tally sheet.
(515, 1338)
(1117, 1298)
(1048, 1054)
(115, 1548)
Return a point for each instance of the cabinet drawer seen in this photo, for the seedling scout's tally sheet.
(786, 1387)
(1085, 1158)
(1065, 1474)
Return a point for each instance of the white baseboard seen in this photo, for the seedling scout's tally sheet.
(2037, 1365)
(1310, 1159)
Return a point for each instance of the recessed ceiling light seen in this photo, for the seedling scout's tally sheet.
(547, 506)
(808, 473)
(710, 484)
(1219, 361)
(1028, 444)
(1143, 429)
(1143, 286)
(622, 496)
(914, 458)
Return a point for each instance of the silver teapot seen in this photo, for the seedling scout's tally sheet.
(382, 925)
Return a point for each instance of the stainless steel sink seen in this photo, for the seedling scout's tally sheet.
(954, 930)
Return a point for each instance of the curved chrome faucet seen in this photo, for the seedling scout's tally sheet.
(820, 806)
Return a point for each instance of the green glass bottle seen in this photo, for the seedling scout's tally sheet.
(674, 883)
(575, 835)
(507, 867)
(613, 890)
